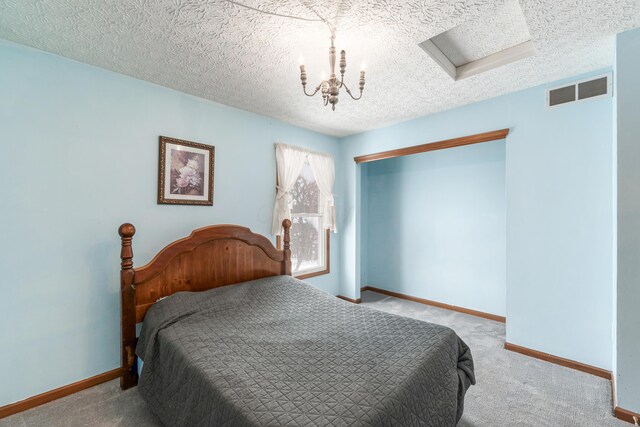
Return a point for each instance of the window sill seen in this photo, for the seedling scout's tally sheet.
(312, 274)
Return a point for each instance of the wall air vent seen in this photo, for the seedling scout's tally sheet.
(592, 88)
(562, 95)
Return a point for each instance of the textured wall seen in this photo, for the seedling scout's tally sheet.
(80, 157)
(628, 287)
(436, 226)
(559, 214)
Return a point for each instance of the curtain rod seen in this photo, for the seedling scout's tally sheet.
(303, 149)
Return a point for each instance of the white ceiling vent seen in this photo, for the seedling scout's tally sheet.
(592, 88)
(496, 38)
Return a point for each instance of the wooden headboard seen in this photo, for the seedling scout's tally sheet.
(210, 257)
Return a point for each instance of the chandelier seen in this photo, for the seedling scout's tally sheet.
(330, 89)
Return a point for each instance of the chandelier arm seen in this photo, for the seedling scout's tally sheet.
(349, 92)
(304, 89)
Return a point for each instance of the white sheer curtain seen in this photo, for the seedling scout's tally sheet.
(323, 169)
(289, 162)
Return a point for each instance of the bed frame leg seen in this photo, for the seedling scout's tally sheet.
(129, 374)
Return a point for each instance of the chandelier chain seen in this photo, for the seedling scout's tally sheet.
(282, 15)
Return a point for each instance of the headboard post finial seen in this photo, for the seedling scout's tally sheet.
(126, 232)
(286, 224)
(129, 374)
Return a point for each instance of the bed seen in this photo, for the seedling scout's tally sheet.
(272, 350)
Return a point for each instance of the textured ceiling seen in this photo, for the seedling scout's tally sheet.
(217, 50)
(470, 41)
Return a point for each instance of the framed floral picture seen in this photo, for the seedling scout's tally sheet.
(185, 174)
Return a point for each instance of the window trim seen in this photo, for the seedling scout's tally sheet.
(327, 258)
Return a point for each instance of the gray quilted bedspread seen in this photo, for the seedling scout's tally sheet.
(279, 352)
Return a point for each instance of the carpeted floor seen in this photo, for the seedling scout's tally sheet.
(511, 389)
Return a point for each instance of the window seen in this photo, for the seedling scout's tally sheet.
(304, 194)
(309, 240)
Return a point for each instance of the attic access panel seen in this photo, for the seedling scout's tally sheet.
(496, 38)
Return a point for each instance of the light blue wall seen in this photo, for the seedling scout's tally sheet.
(436, 226)
(80, 157)
(628, 289)
(559, 214)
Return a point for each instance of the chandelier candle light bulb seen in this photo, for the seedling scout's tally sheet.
(330, 89)
(303, 75)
